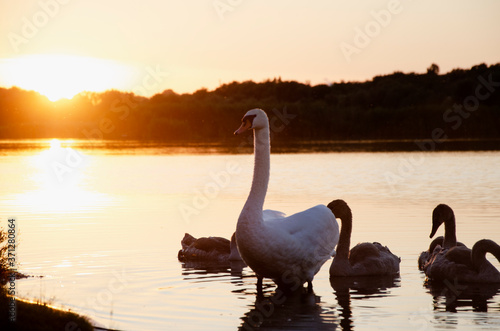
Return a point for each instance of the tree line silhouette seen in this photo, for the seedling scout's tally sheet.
(461, 104)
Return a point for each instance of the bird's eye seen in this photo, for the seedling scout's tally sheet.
(248, 119)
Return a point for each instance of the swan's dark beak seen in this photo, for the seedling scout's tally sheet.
(245, 125)
(435, 227)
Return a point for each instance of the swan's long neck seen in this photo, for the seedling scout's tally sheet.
(450, 237)
(260, 181)
(480, 249)
(345, 237)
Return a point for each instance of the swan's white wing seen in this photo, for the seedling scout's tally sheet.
(270, 214)
(313, 229)
(303, 241)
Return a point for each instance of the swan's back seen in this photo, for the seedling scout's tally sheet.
(460, 255)
(373, 259)
(363, 251)
(451, 264)
(315, 230)
(204, 249)
(269, 214)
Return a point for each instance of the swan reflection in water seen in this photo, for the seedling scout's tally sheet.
(274, 308)
(360, 287)
(458, 295)
(289, 310)
(209, 268)
(280, 309)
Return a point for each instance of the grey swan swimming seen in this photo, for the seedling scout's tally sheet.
(442, 214)
(364, 259)
(474, 268)
(208, 249)
(289, 250)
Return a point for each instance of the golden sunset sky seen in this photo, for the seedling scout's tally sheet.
(61, 47)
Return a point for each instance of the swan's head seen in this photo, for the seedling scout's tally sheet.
(340, 209)
(480, 249)
(253, 119)
(441, 214)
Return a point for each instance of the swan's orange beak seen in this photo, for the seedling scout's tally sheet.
(245, 125)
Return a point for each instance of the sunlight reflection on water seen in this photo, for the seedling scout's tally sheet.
(106, 239)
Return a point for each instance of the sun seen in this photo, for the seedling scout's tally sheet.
(63, 76)
(55, 144)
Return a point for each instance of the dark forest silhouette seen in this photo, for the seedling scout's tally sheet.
(461, 104)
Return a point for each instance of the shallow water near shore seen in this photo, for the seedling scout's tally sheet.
(100, 230)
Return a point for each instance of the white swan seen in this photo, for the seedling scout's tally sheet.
(289, 250)
(364, 259)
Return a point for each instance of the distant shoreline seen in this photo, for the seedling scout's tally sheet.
(461, 104)
(244, 147)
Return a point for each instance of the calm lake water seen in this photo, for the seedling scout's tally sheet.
(100, 230)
